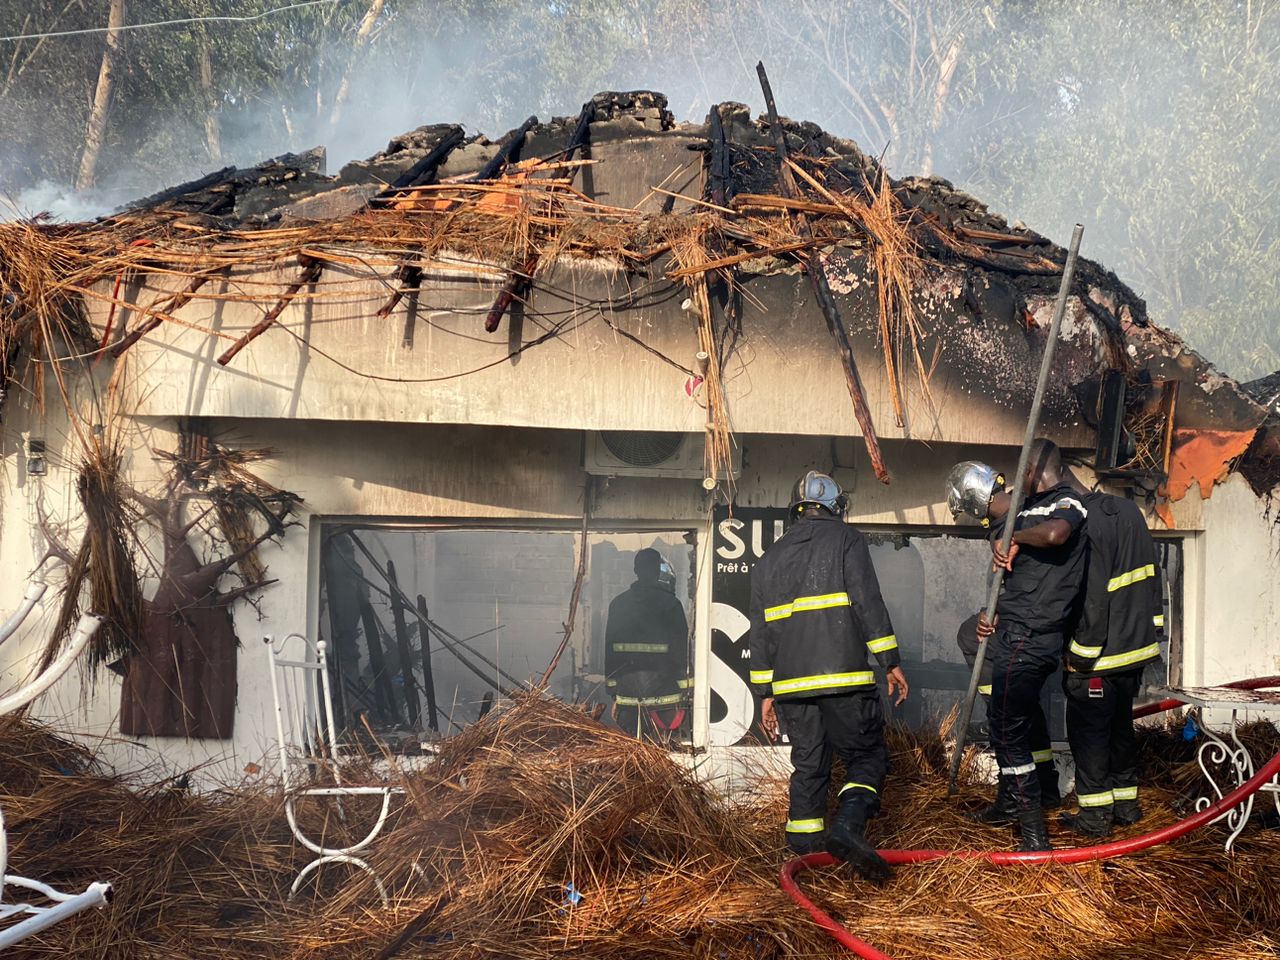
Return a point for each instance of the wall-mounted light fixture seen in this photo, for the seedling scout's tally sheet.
(37, 465)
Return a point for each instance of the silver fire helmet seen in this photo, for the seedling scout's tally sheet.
(970, 487)
(818, 488)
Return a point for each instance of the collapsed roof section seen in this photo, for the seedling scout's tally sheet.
(930, 286)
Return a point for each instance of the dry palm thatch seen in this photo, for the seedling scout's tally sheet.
(105, 561)
(543, 834)
(50, 271)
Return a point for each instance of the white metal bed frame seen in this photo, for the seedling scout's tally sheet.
(41, 916)
(308, 741)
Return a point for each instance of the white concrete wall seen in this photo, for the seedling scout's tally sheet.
(1234, 602)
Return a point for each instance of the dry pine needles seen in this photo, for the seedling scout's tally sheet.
(541, 833)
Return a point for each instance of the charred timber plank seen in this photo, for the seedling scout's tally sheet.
(412, 705)
(408, 277)
(385, 692)
(173, 303)
(311, 270)
(509, 152)
(516, 287)
(719, 169)
(822, 290)
(425, 170)
(520, 280)
(428, 675)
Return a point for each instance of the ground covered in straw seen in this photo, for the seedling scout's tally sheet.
(541, 833)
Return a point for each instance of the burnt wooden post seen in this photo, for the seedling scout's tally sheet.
(428, 678)
(822, 289)
(411, 704)
(377, 662)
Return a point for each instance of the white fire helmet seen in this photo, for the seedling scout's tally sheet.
(970, 488)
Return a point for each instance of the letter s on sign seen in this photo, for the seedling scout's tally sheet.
(735, 546)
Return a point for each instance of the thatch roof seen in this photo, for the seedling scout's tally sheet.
(549, 194)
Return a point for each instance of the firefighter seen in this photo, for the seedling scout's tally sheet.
(1045, 571)
(646, 658)
(1041, 745)
(816, 619)
(1116, 637)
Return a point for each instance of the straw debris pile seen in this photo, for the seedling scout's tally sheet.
(540, 833)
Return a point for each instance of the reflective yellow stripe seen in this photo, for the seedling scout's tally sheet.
(1131, 577)
(861, 678)
(762, 676)
(805, 826)
(1087, 652)
(611, 683)
(1102, 799)
(884, 643)
(640, 648)
(985, 689)
(1148, 652)
(823, 602)
(857, 786)
(1125, 793)
(1042, 756)
(664, 701)
(1158, 619)
(684, 684)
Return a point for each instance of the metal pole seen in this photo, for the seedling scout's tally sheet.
(1006, 539)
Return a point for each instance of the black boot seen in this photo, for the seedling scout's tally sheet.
(804, 843)
(1002, 813)
(1127, 812)
(847, 838)
(1034, 834)
(1091, 822)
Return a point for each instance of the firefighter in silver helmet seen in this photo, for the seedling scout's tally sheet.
(1035, 609)
(817, 619)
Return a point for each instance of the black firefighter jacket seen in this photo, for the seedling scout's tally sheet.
(1123, 607)
(817, 614)
(646, 657)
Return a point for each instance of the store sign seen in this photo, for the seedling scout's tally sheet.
(739, 541)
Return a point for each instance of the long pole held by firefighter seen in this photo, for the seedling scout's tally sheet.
(1006, 539)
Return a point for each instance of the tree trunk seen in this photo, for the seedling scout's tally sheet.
(362, 38)
(101, 99)
(212, 129)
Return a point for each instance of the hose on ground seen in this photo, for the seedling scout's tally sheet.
(1102, 851)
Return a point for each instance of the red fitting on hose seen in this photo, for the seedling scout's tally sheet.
(1102, 851)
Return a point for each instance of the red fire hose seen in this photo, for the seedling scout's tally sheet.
(1102, 851)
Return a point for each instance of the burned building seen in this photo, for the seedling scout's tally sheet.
(429, 408)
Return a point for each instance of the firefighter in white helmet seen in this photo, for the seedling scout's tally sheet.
(817, 621)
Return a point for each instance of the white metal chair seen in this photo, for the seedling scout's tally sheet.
(59, 906)
(308, 742)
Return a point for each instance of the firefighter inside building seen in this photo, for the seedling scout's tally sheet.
(647, 652)
(1110, 635)
(817, 617)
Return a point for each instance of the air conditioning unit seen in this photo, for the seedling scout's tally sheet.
(646, 453)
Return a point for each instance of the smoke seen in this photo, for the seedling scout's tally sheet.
(1153, 126)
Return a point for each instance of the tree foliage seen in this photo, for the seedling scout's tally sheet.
(1155, 124)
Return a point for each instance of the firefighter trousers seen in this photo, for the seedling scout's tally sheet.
(1100, 731)
(847, 725)
(1021, 662)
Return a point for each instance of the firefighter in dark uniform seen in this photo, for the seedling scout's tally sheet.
(1116, 637)
(646, 659)
(1037, 603)
(1041, 744)
(817, 618)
